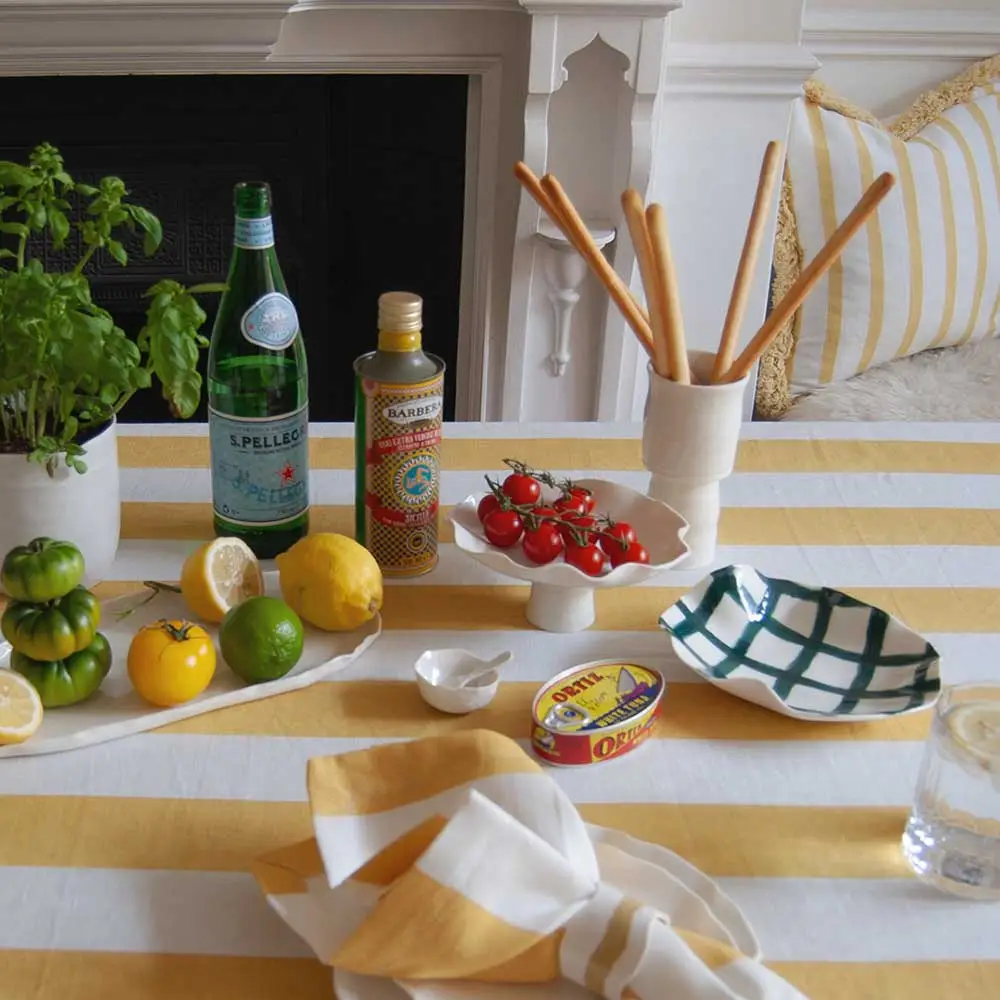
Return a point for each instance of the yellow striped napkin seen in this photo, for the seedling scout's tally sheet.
(454, 866)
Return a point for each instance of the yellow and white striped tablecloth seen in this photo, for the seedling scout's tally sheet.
(124, 868)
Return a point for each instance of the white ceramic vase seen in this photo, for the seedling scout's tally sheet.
(689, 439)
(83, 508)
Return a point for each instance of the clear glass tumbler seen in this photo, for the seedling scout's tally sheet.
(952, 838)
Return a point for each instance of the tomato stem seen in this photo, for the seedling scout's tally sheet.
(175, 633)
(532, 521)
(156, 587)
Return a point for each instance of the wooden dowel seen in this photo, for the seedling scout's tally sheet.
(620, 294)
(529, 181)
(810, 275)
(770, 170)
(635, 217)
(669, 298)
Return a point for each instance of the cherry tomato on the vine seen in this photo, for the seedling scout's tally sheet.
(578, 527)
(522, 489)
(585, 496)
(503, 528)
(543, 544)
(487, 505)
(570, 505)
(635, 553)
(541, 512)
(621, 533)
(587, 558)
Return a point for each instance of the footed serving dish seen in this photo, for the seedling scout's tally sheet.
(562, 596)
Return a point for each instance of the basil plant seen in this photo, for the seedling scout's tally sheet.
(65, 368)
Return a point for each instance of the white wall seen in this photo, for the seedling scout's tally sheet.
(714, 129)
(882, 54)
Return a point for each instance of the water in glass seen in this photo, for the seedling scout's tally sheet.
(952, 839)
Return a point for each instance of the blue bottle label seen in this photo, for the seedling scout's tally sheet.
(260, 468)
(271, 322)
(253, 234)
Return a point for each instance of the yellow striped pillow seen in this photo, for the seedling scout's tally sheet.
(925, 271)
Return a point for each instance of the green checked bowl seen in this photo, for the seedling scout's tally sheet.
(807, 652)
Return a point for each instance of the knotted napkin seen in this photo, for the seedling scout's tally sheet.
(454, 866)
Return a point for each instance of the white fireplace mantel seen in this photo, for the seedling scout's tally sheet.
(676, 98)
(514, 53)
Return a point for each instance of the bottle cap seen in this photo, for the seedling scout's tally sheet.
(400, 312)
(252, 199)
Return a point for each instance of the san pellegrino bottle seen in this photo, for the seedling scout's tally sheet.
(258, 399)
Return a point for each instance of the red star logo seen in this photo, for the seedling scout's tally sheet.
(287, 473)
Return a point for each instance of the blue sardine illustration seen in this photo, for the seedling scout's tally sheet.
(566, 717)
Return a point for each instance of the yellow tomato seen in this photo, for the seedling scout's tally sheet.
(170, 662)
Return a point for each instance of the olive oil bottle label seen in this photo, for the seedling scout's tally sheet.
(260, 467)
(399, 428)
(253, 234)
(271, 322)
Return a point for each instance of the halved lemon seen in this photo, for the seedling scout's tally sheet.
(219, 575)
(20, 708)
(976, 726)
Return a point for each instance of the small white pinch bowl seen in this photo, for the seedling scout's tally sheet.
(440, 673)
(562, 596)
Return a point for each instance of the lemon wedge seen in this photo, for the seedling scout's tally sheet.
(976, 727)
(219, 575)
(20, 708)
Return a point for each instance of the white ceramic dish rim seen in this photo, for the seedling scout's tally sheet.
(424, 658)
(469, 538)
(756, 691)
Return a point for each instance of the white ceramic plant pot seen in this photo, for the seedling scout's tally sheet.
(689, 439)
(83, 508)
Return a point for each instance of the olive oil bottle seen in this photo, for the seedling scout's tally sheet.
(258, 392)
(399, 405)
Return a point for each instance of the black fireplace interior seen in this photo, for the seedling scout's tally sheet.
(367, 174)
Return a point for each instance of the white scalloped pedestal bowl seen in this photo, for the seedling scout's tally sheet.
(562, 596)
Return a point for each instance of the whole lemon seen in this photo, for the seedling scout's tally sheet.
(332, 581)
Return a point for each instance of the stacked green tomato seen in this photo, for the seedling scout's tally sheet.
(51, 622)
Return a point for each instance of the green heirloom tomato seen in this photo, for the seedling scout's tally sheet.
(42, 570)
(52, 631)
(65, 682)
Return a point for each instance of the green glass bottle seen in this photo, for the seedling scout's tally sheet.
(258, 392)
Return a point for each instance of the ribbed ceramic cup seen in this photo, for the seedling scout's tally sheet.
(689, 440)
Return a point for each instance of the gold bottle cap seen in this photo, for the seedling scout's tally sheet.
(400, 312)
(400, 316)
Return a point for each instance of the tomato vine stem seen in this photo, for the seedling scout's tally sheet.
(532, 520)
(156, 588)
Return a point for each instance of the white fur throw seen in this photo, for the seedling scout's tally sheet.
(953, 383)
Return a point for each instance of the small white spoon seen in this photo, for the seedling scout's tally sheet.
(477, 670)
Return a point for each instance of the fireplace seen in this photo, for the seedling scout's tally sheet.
(367, 173)
(661, 95)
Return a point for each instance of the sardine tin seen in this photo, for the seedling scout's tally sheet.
(596, 711)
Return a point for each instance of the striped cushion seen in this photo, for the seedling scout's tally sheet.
(925, 271)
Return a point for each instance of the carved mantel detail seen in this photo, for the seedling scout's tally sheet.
(560, 29)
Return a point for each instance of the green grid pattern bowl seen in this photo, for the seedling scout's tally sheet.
(806, 652)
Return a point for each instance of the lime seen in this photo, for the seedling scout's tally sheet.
(261, 639)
